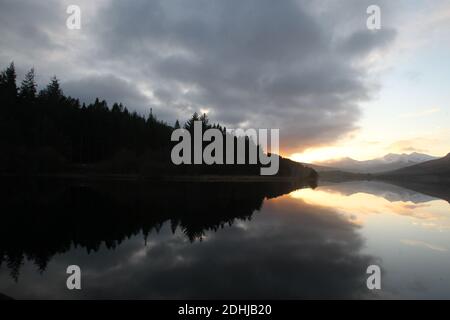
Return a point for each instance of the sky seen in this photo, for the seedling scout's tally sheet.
(308, 67)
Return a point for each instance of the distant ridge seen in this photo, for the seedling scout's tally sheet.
(433, 167)
(318, 168)
(431, 177)
(389, 162)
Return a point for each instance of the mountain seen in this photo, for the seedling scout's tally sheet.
(413, 157)
(389, 162)
(431, 177)
(440, 167)
(318, 168)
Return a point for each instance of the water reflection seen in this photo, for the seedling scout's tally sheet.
(408, 231)
(358, 200)
(222, 240)
(46, 218)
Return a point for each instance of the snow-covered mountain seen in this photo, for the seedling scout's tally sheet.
(437, 167)
(389, 162)
(414, 157)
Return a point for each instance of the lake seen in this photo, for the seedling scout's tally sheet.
(219, 240)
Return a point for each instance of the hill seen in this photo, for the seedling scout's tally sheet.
(437, 171)
(435, 167)
(387, 163)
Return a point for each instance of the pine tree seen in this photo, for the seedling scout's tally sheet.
(53, 90)
(205, 121)
(189, 125)
(8, 82)
(151, 118)
(27, 92)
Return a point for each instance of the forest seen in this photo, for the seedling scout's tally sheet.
(45, 131)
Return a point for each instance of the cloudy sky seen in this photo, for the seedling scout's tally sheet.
(308, 67)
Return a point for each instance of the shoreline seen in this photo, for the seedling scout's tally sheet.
(164, 178)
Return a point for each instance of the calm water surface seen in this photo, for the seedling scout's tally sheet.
(303, 243)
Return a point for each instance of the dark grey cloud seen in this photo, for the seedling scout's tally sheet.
(364, 41)
(31, 22)
(105, 86)
(294, 65)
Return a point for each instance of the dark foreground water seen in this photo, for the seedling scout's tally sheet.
(222, 241)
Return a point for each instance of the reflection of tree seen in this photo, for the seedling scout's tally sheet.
(302, 251)
(45, 219)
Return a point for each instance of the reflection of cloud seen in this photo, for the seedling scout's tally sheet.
(360, 202)
(289, 250)
(423, 244)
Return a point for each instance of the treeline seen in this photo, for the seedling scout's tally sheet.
(49, 126)
(47, 131)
